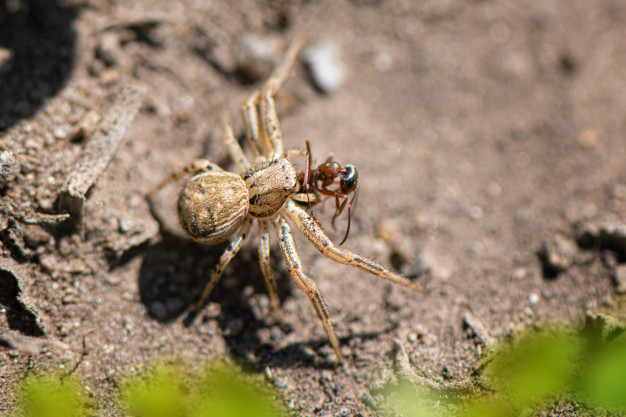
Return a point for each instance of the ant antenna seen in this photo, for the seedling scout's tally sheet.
(349, 183)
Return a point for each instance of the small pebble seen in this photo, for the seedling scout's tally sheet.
(533, 298)
(557, 253)
(9, 167)
(476, 212)
(69, 299)
(85, 126)
(520, 273)
(588, 138)
(61, 132)
(619, 278)
(259, 55)
(125, 225)
(108, 49)
(326, 67)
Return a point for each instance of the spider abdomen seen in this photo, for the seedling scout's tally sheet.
(212, 206)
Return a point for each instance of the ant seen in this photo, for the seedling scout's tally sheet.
(316, 180)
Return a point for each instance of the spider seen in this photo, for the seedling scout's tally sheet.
(216, 204)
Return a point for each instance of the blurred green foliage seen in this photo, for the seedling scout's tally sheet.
(219, 390)
(526, 376)
(605, 382)
(535, 367)
(532, 373)
(225, 391)
(159, 392)
(52, 395)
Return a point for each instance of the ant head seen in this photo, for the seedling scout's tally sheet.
(349, 179)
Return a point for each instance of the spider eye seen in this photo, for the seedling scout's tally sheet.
(349, 179)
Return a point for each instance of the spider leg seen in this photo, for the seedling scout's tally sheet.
(269, 116)
(295, 153)
(314, 233)
(225, 259)
(193, 168)
(307, 175)
(306, 284)
(268, 273)
(280, 73)
(302, 198)
(235, 151)
(256, 138)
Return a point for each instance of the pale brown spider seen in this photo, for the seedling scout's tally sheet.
(215, 204)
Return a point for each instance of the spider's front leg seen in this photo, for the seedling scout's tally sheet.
(314, 233)
(269, 115)
(256, 138)
(306, 284)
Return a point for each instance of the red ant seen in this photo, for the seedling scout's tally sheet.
(316, 180)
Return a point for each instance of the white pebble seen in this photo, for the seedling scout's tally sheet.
(476, 212)
(325, 65)
(533, 298)
(262, 48)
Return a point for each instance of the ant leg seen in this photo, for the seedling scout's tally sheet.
(235, 151)
(306, 284)
(349, 218)
(196, 166)
(268, 273)
(314, 233)
(338, 207)
(225, 259)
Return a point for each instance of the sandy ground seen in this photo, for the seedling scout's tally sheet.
(489, 135)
